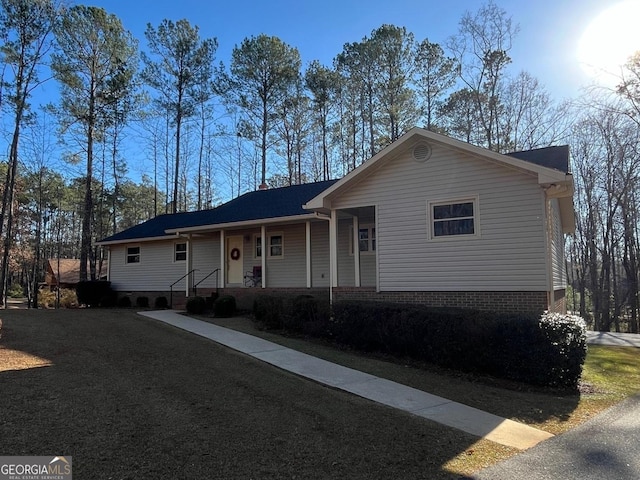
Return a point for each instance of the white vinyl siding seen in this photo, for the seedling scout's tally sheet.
(320, 254)
(155, 272)
(205, 256)
(509, 254)
(290, 269)
(346, 265)
(558, 267)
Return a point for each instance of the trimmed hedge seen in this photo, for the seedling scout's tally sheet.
(142, 302)
(302, 314)
(161, 302)
(225, 306)
(268, 311)
(196, 305)
(124, 302)
(546, 350)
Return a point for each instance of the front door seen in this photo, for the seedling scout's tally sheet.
(234, 259)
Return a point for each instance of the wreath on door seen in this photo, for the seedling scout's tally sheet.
(235, 254)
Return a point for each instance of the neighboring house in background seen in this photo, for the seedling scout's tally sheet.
(63, 272)
(428, 220)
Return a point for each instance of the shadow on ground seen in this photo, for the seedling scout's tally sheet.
(130, 398)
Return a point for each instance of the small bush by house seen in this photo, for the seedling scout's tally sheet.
(142, 302)
(196, 305)
(124, 302)
(268, 310)
(224, 306)
(161, 302)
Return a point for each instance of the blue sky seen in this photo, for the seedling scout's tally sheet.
(546, 45)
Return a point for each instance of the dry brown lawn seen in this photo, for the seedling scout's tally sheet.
(131, 398)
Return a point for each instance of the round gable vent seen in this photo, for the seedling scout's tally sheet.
(422, 152)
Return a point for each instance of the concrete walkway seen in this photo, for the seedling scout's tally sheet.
(614, 339)
(386, 392)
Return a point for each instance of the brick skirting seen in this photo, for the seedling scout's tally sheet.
(493, 301)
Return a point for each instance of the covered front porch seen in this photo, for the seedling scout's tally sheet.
(320, 251)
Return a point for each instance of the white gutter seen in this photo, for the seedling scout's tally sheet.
(138, 240)
(246, 223)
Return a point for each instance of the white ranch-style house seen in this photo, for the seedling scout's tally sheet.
(428, 220)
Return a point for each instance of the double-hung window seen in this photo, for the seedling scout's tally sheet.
(367, 239)
(133, 254)
(180, 252)
(275, 246)
(453, 218)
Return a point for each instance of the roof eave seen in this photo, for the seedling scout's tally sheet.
(136, 240)
(243, 224)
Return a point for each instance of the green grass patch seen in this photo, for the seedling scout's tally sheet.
(613, 371)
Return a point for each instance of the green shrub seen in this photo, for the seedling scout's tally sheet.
(142, 302)
(124, 302)
(225, 306)
(268, 311)
(90, 292)
(196, 305)
(161, 302)
(306, 314)
(15, 291)
(547, 350)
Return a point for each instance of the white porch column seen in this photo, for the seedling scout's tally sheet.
(333, 249)
(356, 250)
(263, 257)
(308, 251)
(223, 258)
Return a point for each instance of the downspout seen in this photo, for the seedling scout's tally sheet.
(263, 261)
(188, 279)
(307, 231)
(356, 250)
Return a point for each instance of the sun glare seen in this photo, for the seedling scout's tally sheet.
(610, 39)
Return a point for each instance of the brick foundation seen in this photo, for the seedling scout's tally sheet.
(494, 301)
(560, 301)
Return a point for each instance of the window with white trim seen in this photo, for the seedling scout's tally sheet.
(180, 252)
(453, 218)
(257, 249)
(366, 239)
(133, 254)
(275, 245)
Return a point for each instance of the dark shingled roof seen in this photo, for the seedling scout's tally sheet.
(550, 157)
(261, 204)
